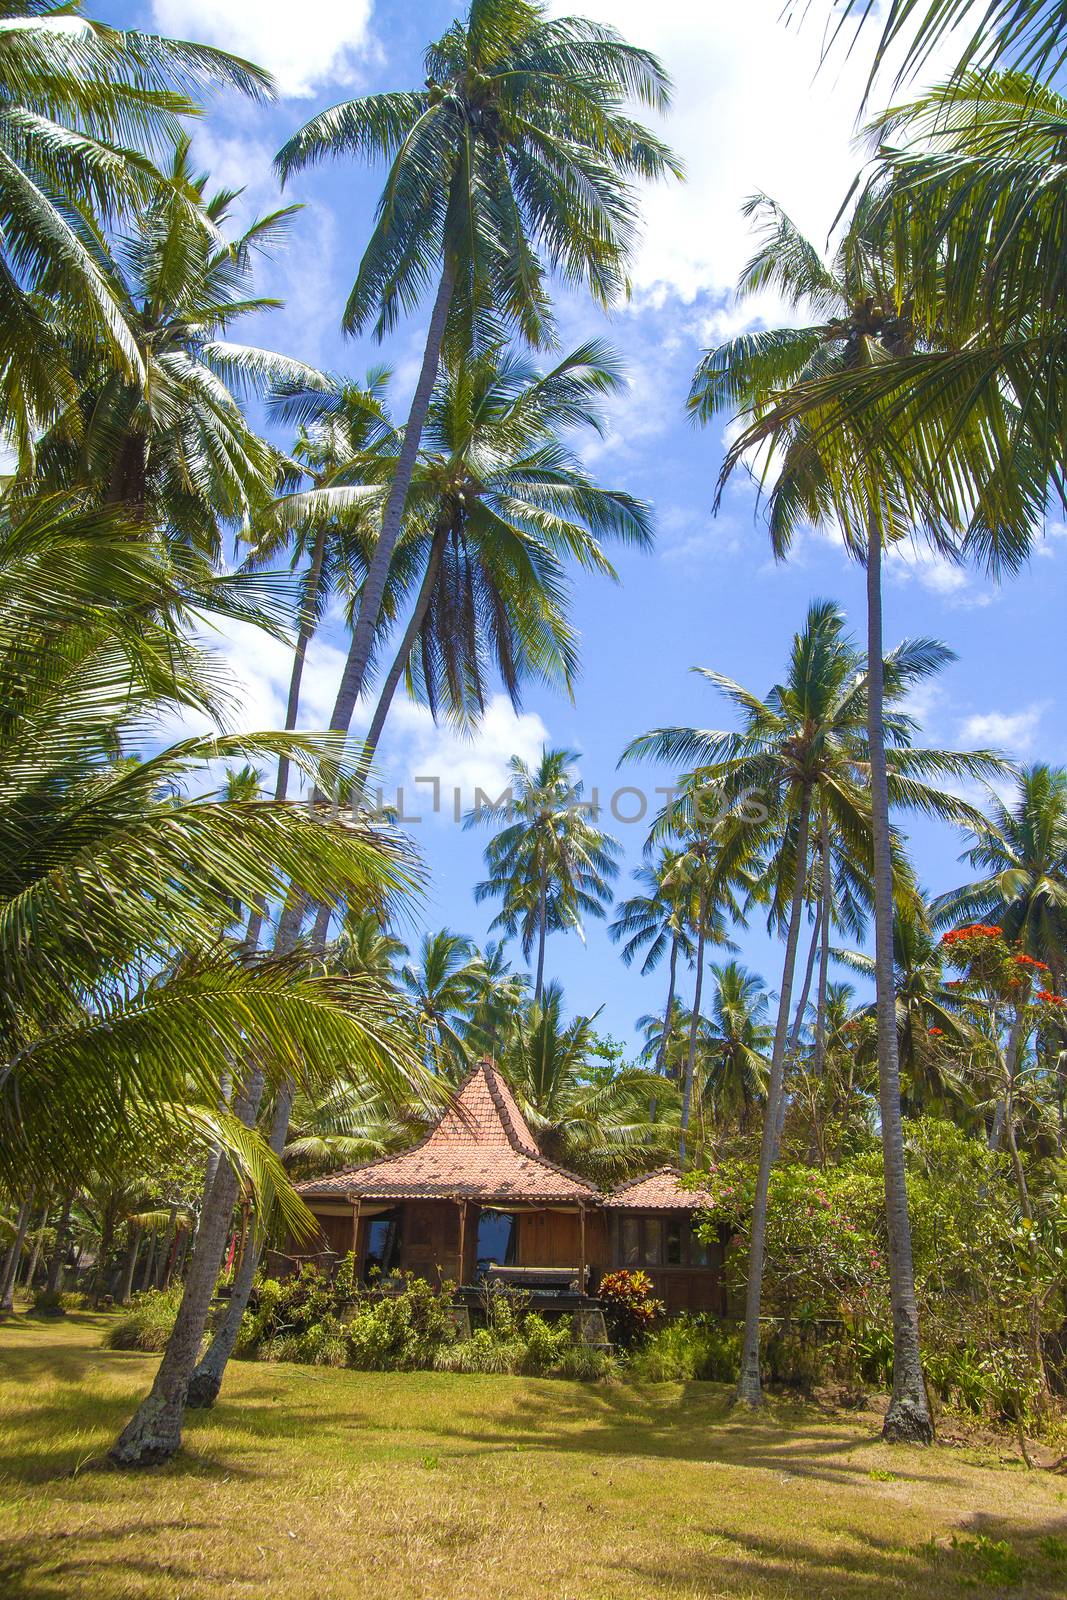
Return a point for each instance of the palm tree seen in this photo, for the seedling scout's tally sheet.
(500, 999)
(514, 159)
(365, 949)
(80, 102)
(173, 444)
(551, 865)
(499, 504)
(1021, 851)
(584, 1116)
(802, 749)
(653, 921)
(443, 986)
(736, 1043)
(666, 1039)
(927, 1012)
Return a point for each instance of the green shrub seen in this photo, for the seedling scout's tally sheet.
(399, 1332)
(631, 1310)
(688, 1347)
(58, 1301)
(148, 1321)
(482, 1352)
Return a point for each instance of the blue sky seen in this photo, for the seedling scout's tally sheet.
(750, 113)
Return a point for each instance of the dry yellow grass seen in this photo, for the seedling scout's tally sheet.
(309, 1484)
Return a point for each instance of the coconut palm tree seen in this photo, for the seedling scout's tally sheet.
(172, 443)
(443, 986)
(736, 1044)
(932, 1034)
(582, 1115)
(551, 865)
(802, 747)
(501, 996)
(79, 103)
(1021, 852)
(500, 504)
(515, 159)
(652, 921)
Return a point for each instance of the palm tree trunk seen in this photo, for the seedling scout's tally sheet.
(908, 1417)
(370, 603)
(542, 922)
(694, 1026)
(825, 907)
(53, 1283)
(749, 1389)
(407, 644)
(154, 1432)
(661, 1053)
(130, 1265)
(206, 1380)
(305, 633)
(14, 1255)
(35, 1253)
(794, 1036)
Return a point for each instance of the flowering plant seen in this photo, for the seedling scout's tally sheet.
(630, 1306)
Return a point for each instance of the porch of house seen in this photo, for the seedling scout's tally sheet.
(545, 1250)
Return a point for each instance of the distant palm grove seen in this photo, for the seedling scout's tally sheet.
(216, 983)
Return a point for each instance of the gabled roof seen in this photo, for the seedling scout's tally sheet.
(481, 1149)
(661, 1190)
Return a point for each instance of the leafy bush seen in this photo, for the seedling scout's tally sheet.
(688, 1347)
(148, 1321)
(399, 1332)
(59, 1301)
(631, 1309)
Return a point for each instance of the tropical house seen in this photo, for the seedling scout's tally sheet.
(475, 1200)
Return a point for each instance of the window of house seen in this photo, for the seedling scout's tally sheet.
(673, 1232)
(382, 1244)
(699, 1251)
(498, 1237)
(642, 1242)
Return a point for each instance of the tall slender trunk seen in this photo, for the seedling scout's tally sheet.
(206, 1381)
(661, 1053)
(825, 909)
(154, 1433)
(305, 633)
(35, 1253)
(694, 1025)
(130, 1264)
(370, 603)
(107, 1234)
(749, 1389)
(149, 1262)
(542, 928)
(54, 1281)
(14, 1255)
(1016, 1045)
(908, 1417)
(795, 1031)
(407, 644)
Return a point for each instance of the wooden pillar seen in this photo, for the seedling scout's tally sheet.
(355, 1240)
(581, 1248)
(462, 1240)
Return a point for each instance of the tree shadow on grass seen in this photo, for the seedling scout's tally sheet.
(997, 1555)
(700, 1426)
(45, 1567)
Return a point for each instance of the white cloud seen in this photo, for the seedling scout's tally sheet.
(1013, 731)
(751, 110)
(954, 583)
(320, 42)
(414, 748)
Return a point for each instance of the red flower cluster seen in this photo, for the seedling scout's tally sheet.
(1051, 999)
(1028, 961)
(936, 1033)
(976, 930)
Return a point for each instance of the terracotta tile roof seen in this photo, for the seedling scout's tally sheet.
(481, 1148)
(657, 1191)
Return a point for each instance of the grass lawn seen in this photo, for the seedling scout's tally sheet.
(312, 1484)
